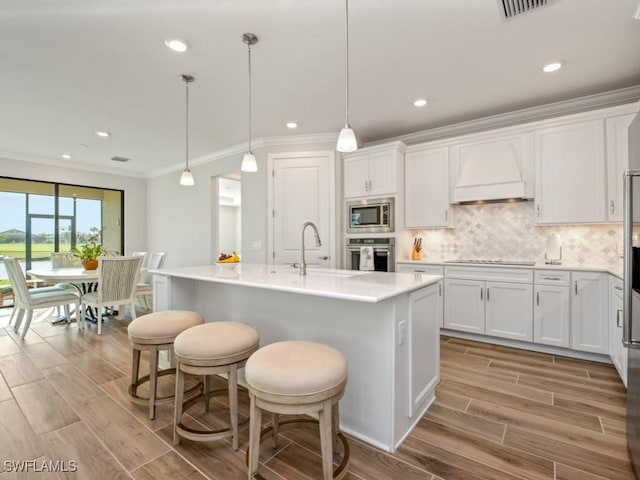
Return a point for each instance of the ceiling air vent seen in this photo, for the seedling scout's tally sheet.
(120, 159)
(513, 8)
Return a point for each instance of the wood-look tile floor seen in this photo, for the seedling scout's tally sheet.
(500, 413)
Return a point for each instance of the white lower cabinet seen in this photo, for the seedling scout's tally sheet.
(464, 305)
(617, 351)
(498, 308)
(552, 308)
(551, 315)
(590, 312)
(509, 310)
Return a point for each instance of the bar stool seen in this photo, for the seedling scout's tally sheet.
(211, 349)
(297, 377)
(154, 332)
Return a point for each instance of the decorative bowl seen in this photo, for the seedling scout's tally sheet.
(227, 266)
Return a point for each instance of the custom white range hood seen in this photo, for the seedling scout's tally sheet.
(498, 168)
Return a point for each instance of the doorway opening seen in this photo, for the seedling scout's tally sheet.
(228, 235)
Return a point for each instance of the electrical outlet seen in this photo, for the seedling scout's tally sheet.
(402, 332)
(256, 245)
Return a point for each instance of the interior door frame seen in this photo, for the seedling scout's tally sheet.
(331, 158)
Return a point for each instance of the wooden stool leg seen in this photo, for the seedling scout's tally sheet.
(326, 440)
(255, 421)
(153, 380)
(135, 371)
(179, 397)
(206, 382)
(274, 427)
(233, 404)
(335, 426)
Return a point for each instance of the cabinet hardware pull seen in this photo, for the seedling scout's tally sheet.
(440, 289)
(323, 257)
(618, 288)
(538, 298)
(487, 294)
(618, 315)
(481, 293)
(538, 210)
(446, 215)
(575, 285)
(612, 206)
(551, 278)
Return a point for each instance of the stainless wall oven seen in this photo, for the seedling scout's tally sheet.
(383, 253)
(370, 216)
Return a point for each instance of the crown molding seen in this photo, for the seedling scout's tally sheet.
(542, 112)
(263, 142)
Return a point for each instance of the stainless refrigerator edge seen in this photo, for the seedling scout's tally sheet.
(631, 328)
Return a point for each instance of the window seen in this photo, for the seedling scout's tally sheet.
(39, 218)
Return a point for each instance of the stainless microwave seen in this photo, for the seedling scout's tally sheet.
(370, 216)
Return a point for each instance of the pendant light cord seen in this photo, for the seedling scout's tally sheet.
(187, 123)
(249, 47)
(346, 34)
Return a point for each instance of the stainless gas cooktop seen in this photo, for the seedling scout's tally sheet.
(494, 262)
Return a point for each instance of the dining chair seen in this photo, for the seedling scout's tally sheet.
(117, 280)
(145, 258)
(27, 300)
(144, 289)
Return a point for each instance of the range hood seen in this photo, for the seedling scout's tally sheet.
(492, 169)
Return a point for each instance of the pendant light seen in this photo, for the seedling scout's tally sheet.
(347, 139)
(249, 163)
(187, 178)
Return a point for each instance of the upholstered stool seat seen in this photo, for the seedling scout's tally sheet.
(155, 332)
(211, 349)
(297, 377)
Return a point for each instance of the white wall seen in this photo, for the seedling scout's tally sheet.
(180, 217)
(230, 230)
(135, 192)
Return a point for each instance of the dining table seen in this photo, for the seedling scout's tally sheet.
(84, 280)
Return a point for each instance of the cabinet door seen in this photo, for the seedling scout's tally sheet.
(617, 162)
(617, 352)
(356, 176)
(509, 310)
(570, 172)
(382, 173)
(427, 188)
(464, 305)
(589, 312)
(551, 315)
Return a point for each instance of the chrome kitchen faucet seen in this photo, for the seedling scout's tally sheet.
(303, 263)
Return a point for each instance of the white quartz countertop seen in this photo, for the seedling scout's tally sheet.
(613, 270)
(371, 287)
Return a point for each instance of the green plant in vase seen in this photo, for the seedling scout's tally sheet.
(90, 249)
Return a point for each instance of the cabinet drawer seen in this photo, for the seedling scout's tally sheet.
(496, 274)
(416, 267)
(552, 277)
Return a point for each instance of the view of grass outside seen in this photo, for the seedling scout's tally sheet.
(38, 250)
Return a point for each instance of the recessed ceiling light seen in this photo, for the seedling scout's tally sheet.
(292, 125)
(102, 134)
(553, 66)
(66, 156)
(177, 45)
(421, 102)
(82, 146)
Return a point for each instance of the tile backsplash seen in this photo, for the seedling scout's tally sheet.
(507, 231)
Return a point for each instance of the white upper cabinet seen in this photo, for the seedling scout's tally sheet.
(570, 168)
(617, 162)
(374, 171)
(492, 166)
(426, 187)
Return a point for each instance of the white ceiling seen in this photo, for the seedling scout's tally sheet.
(70, 67)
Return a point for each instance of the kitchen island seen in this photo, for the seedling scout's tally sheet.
(386, 324)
